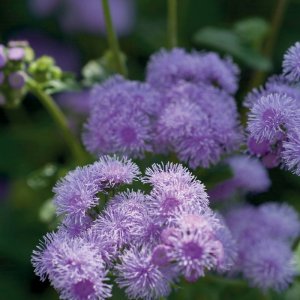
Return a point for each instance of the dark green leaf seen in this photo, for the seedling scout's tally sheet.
(229, 42)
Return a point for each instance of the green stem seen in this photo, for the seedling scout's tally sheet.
(276, 22)
(60, 120)
(172, 23)
(112, 39)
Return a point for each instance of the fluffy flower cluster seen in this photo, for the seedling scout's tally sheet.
(265, 236)
(186, 107)
(148, 241)
(248, 176)
(274, 116)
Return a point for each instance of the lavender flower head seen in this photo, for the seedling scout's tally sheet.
(77, 192)
(199, 124)
(166, 69)
(291, 153)
(282, 219)
(74, 267)
(271, 116)
(192, 246)
(140, 277)
(174, 189)
(270, 265)
(291, 63)
(264, 236)
(119, 120)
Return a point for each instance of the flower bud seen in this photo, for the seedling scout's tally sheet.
(16, 80)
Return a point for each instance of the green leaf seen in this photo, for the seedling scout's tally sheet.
(229, 42)
(252, 31)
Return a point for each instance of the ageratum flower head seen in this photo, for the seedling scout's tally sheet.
(174, 191)
(264, 236)
(291, 63)
(192, 246)
(291, 152)
(74, 267)
(77, 192)
(270, 265)
(166, 69)
(272, 116)
(140, 278)
(276, 84)
(199, 123)
(120, 119)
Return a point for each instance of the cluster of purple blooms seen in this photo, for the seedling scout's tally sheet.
(274, 116)
(265, 236)
(12, 75)
(186, 107)
(146, 241)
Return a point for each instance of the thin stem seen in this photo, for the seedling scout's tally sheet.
(172, 23)
(112, 39)
(268, 49)
(275, 26)
(60, 120)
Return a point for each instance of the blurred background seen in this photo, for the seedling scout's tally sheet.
(32, 153)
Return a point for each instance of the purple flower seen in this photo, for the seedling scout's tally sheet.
(199, 124)
(76, 193)
(72, 227)
(281, 220)
(229, 244)
(291, 153)
(271, 116)
(166, 69)
(113, 171)
(140, 277)
(74, 267)
(275, 84)
(16, 79)
(291, 63)
(269, 265)
(258, 147)
(174, 189)
(165, 201)
(163, 175)
(193, 247)
(123, 226)
(119, 120)
(264, 237)
(16, 54)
